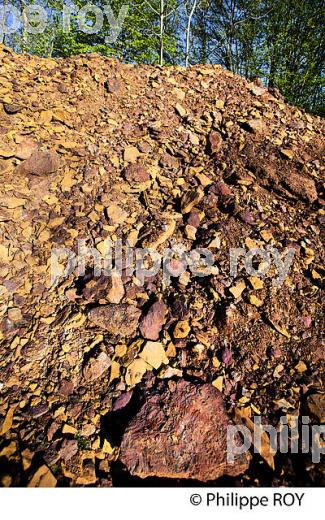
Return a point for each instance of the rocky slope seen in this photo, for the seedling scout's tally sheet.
(93, 149)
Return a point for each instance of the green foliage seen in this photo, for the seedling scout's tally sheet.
(83, 443)
(294, 51)
(280, 41)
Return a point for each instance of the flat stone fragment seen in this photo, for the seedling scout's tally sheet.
(26, 149)
(255, 125)
(42, 478)
(131, 154)
(116, 292)
(154, 353)
(39, 163)
(112, 85)
(12, 108)
(96, 367)
(214, 142)
(258, 91)
(136, 173)
(119, 319)
(180, 110)
(316, 406)
(181, 433)
(302, 187)
(152, 323)
(68, 449)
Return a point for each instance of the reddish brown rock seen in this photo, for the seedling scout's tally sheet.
(66, 388)
(214, 142)
(301, 186)
(122, 401)
(246, 216)
(96, 367)
(117, 319)
(38, 411)
(39, 163)
(112, 85)
(97, 288)
(68, 449)
(152, 323)
(194, 219)
(144, 147)
(136, 173)
(169, 161)
(180, 433)
(220, 188)
(26, 149)
(227, 357)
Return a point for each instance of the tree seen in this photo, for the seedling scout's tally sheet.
(294, 51)
(188, 31)
(280, 41)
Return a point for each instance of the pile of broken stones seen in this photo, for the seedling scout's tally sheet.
(112, 379)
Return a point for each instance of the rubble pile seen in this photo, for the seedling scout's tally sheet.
(160, 158)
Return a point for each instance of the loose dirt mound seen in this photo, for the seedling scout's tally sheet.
(92, 149)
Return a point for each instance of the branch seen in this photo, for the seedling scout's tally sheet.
(255, 18)
(151, 7)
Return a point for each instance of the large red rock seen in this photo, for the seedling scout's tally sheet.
(180, 433)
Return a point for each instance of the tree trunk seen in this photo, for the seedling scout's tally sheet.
(161, 36)
(3, 22)
(24, 35)
(188, 33)
(273, 65)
